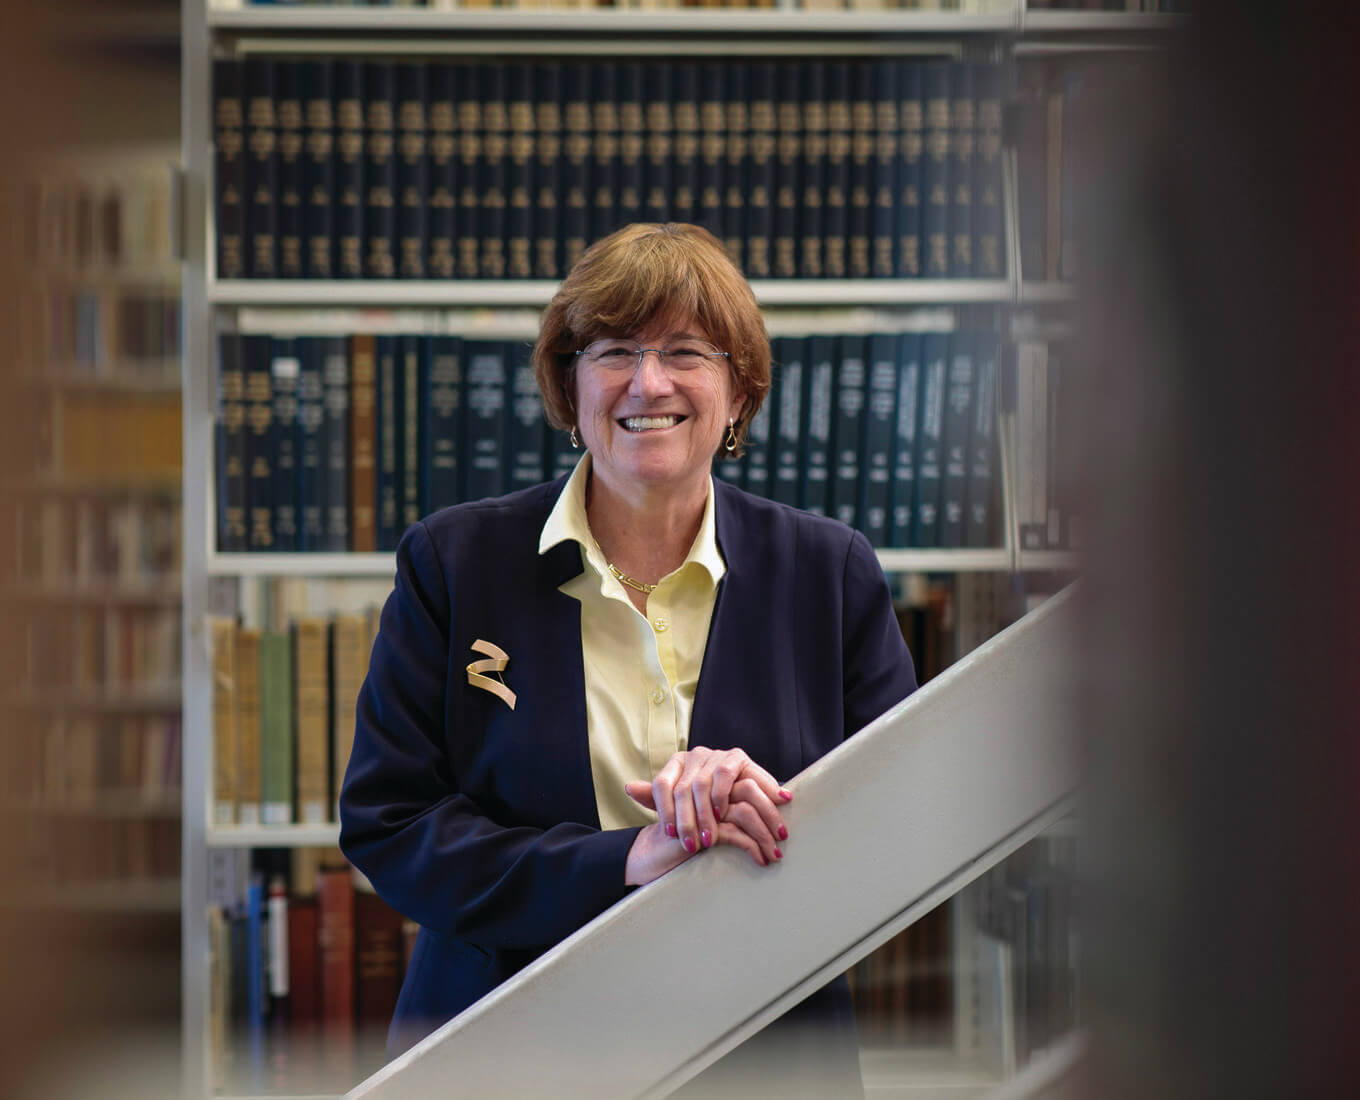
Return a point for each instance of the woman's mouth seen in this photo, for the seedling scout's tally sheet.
(649, 423)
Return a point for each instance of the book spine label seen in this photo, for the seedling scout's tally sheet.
(847, 431)
(292, 167)
(901, 531)
(232, 450)
(982, 446)
(929, 456)
(349, 168)
(413, 170)
(443, 434)
(548, 175)
(958, 423)
(336, 437)
(262, 168)
(885, 195)
(817, 431)
(412, 385)
(259, 443)
(229, 169)
(388, 421)
(880, 407)
(311, 444)
(935, 170)
(380, 169)
(485, 417)
(318, 177)
(910, 154)
(284, 368)
(440, 215)
(363, 467)
(786, 465)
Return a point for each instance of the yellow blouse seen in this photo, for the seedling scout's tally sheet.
(640, 670)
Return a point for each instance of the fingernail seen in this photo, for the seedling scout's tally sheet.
(689, 844)
(670, 830)
(706, 838)
(778, 854)
(717, 813)
(783, 833)
(785, 794)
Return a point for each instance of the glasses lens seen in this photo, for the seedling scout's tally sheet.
(611, 353)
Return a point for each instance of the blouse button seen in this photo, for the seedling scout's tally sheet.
(658, 696)
(661, 625)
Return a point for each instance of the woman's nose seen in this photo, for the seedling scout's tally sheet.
(650, 377)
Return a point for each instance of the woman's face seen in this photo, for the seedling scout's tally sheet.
(650, 426)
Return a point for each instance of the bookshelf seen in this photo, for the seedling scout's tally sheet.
(90, 581)
(230, 583)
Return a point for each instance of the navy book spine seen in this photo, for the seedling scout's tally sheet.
(311, 442)
(962, 147)
(982, 444)
(685, 142)
(547, 212)
(519, 178)
(836, 189)
(758, 451)
(292, 169)
(847, 432)
(900, 530)
(335, 385)
(442, 159)
(495, 169)
(562, 456)
(485, 416)
(989, 229)
(604, 149)
(958, 425)
(413, 169)
(885, 195)
(760, 178)
(879, 408)
(413, 365)
(527, 436)
(259, 390)
(262, 168)
(380, 169)
(818, 408)
(443, 429)
(910, 154)
(659, 143)
(812, 180)
(860, 202)
(468, 219)
(712, 147)
(318, 171)
(935, 193)
(787, 395)
(737, 163)
(386, 444)
(929, 439)
(632, 139)
(232, 455)
(349, 168)
(788, 169)
(229, 168)
(576, 156)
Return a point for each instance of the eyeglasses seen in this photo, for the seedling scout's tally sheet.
(683, 354)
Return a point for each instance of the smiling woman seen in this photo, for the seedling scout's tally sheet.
(673, 647)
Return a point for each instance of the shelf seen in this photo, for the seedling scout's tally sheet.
(84, 699)
(1049, 561)
(993, 560)
(1046, 293)
(1108, 22)
(160, 592)
(543, 22)
(273, 836)
(427, 293)
(123, 896)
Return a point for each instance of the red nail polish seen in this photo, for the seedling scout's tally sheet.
(670, 830)
(778, 854)
(786, 795)
(783, 833)
(706, 838)
(689, 844)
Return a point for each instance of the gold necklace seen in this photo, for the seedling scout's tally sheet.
(641, 586)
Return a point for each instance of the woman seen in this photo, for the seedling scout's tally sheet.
(661, 646)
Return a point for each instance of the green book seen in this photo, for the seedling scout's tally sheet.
(276, 728)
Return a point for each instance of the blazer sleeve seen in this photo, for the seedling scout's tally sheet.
(428, 848)
(877, 671)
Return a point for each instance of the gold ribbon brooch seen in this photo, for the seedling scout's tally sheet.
(496, 661)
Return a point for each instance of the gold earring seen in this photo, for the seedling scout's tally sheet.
(575, 439)
(731, 444)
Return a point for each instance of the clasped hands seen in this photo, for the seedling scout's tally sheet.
(704, 797)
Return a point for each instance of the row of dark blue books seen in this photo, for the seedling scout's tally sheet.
(334, 168)
(339, 443)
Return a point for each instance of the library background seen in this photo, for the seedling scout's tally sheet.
(281, 308)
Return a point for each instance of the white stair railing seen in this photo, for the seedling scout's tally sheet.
(897, 819)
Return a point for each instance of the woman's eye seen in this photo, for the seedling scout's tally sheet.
(618, 353)
(686, 350)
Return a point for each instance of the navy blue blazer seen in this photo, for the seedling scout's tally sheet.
(478, 821)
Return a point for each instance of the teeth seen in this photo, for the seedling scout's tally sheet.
(644, 423)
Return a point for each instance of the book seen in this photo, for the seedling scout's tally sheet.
(387, 452)
(577, 149)
(1031, 430)
(492, 81)
(982, 445)
(788, 170)
(710, 199)
(760, 170)
(378, 965)
(312, 695)
(248, 793)
(737, 165)
(901, 528)
(658, 143)
(284, 368)
(468, 226)
(604, 149)
(880, 409)
(519, 182)
(349, 653)
(277, 736)
(262, 169)
(885, 195)
(260, 442)
(350, 189)
(335, 442)
(836, 192)
(291, 168)
(812, 181)
(335, 958)
(962, 146)
(547, 215)
(311, 458)
(631, 174)
(929, 439)
(318, 173)
(484, 417)
(935, 165)
(818, 411)
(412, 370)
(910, 155)
(442, 154)
(989, 229)
(225, 737)
(229, 169)
(860, 196)
(685, 143)
(442, 428)
(232, 461)
(412, 192)
(380, 169)
(956, 443)
(786, 397)
(757, 479)
(304, 997)
(847, 430)
(527, 435)
(363, 485)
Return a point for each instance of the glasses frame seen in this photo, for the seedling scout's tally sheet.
(642, 351)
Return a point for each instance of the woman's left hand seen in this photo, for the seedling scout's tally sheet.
(706, 796)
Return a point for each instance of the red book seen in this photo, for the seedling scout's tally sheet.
(379, 950)
(335, 956)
